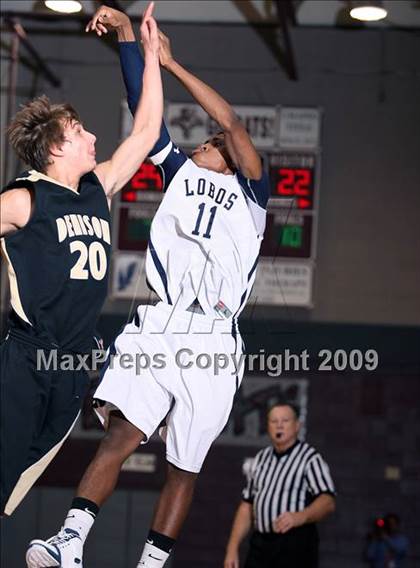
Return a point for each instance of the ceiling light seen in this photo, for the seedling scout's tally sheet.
(64, 6)
(368, 11)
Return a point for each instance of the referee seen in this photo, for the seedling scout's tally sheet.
(289, 489)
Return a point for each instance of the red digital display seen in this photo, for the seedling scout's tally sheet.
(294, 182)
(147, 178)
(292, 177)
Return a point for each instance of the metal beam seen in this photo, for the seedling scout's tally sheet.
(18, 30)
(276, 37)
(284, 11)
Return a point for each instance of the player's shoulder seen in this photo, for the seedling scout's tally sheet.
(16, 196)
(90, 178)
(19, 192)
(256, 190)
(170, 153)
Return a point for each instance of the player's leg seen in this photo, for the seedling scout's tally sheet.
(142, 404)
(171, 511)
(120, 441)
(203, 400)
(23, 400)
(66, 548)
(174, 501)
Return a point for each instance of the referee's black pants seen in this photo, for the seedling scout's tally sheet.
(297, 548)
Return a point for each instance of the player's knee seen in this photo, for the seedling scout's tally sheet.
(180, 477)
(121, 439)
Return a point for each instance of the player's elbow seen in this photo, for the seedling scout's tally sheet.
(151, 133)
(231, 122)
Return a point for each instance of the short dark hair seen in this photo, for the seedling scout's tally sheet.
(291, 405)
(37, 127)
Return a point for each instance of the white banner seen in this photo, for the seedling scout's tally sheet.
(190, 125)
(300, 128)
(247, 421)
(282, 282)
(129, 276)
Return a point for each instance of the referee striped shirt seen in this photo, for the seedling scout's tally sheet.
(285, 482)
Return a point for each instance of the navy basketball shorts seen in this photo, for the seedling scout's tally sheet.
(39, 408)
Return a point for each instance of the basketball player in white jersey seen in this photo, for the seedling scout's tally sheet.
(201, 262)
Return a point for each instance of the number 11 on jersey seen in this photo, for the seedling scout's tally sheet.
(201, 208)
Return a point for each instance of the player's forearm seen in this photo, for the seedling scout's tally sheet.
(148, 116)
(132, 67)
(146, 128)
(323, 506)
(241, 526)
(215, 105)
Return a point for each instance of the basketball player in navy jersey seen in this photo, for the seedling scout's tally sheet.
(201, 262)
(55, 229)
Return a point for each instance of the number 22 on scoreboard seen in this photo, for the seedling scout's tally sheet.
(294, 181)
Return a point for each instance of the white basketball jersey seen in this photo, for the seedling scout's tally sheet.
(205, 237)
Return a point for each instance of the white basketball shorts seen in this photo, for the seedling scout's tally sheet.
(175, 364)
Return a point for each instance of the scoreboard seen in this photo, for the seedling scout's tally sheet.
(290, 208)
(291, 154)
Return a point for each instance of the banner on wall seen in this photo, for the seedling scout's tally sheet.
(283, 283)
(299, 128)
(190, 125)
(129, 276)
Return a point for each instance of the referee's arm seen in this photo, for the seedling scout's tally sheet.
(320, 508)
(240, 528)
(321, 486)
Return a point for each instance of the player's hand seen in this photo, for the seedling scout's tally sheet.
(287, 521)
(105, 19)
(149, 32)
(165, 52)
(231, 559)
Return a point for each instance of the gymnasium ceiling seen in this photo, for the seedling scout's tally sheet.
(401, 13)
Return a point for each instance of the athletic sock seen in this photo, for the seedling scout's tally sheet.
(156, 551)
(81, 516)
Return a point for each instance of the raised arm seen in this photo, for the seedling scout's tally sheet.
(116, 172)
(131, 60)
(238, 141)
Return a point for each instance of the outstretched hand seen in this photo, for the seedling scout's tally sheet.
(149, 32)
(165, 52)
(105, 19)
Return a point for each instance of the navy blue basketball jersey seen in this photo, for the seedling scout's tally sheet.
(58, 263)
